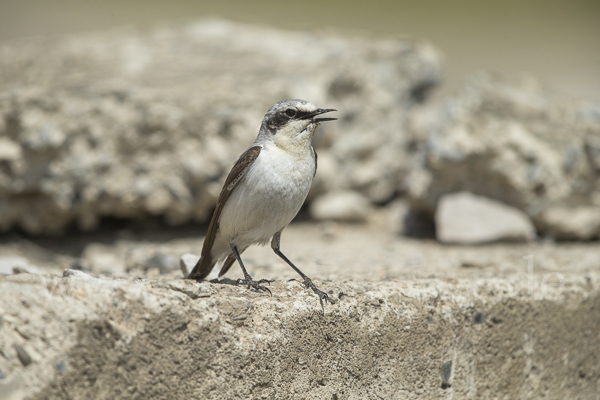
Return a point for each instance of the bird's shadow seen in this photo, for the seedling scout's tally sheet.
(234, 282)
(225, 281)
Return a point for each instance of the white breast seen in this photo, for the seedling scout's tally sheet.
(268, 197)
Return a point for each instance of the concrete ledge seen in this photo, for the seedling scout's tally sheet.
(426, 338)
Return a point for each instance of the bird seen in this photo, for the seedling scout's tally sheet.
(264, 191)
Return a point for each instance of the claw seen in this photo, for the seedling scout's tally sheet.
(322, 295)
(254, 284)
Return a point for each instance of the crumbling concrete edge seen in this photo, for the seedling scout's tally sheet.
(128, 338)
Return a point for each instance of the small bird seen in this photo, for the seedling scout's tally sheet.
(264, 191)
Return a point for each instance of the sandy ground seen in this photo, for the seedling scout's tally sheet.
(324, 251)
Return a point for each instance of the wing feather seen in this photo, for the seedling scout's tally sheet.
(206, 263)
(315, 153)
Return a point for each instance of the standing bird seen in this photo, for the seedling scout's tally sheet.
(264, 191)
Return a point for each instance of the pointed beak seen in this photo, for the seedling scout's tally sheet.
(320, 111)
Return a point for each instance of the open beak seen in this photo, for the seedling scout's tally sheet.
(320, 111)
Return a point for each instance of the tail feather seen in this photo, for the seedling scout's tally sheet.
(202, 268)
(227, 264)
(206, 264)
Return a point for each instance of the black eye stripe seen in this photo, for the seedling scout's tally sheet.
(302, 114)
(277, 119)
(297, 114)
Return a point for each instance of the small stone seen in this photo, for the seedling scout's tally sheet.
(24, 357)
(478, 317)
(466, 218)
(445, 374)
(568, 223)
(187, 262)
(16, 265)
(79, 265)
(9, 150)
(59, 366)
(76, 273)
(341, 206)
(164, 262)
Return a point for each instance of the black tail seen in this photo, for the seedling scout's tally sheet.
(202, 268)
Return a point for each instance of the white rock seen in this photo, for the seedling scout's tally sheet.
(164, 262)
(466, 218)
(341, 206)
(187, 262)
(9, 263)
(570, 223)
(76, 273)
(9, 150)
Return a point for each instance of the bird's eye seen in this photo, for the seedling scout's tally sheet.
(290, 112)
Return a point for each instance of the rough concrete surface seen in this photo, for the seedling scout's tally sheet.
(414, 319)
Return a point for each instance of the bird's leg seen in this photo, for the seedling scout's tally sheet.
(247, 278)
(308, 283)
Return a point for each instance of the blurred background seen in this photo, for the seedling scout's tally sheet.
(557, 41)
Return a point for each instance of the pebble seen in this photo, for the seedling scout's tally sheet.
(16, 265)
(164, 262)
(76, 273)
(445, 374)
(24, 357)
(347, 206)
(187, 262)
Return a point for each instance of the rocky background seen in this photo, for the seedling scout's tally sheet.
(131, 125)
(137, 129)
(520, 144)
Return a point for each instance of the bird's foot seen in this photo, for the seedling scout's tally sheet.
(308, 283)
(254, 284)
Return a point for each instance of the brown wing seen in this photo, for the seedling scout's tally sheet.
(206, 263)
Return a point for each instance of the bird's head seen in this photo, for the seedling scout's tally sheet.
(292, 123)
